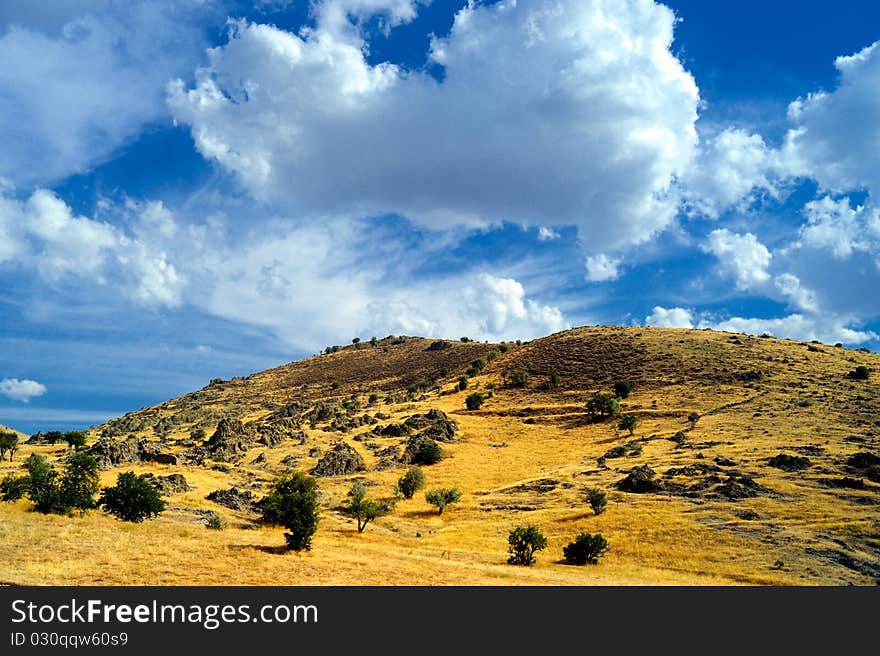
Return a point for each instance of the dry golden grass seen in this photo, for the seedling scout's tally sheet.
(821, 535)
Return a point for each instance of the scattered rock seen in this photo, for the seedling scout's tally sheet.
(640, 480)
(259, 460)
(439, 346)
(724, 462)
(233, 498)
(789, 463)
(393, 430)
(540, 486)
(844, 482)
(435, 424)
(748, 515)
(340, 460)
(112, 453)
(171, 484)
(230, 441)
(740, 486)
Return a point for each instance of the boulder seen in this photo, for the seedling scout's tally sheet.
(233, 498)
(640, 480)
(171, 484)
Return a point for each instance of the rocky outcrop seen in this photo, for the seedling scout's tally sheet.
(171, 484)
(340, 460)
(233, 498)
(640, 480)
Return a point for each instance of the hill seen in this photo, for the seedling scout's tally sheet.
(753, 461)
(6, 429)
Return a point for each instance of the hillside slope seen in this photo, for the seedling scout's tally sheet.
(753, 460)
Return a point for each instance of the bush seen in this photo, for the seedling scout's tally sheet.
(859, 373)
(603, 405)
(197, 434)
(518, 379)
(132, 499)
(628, 422)
(214, 521)
(585, 549)
(372, 399)
(442, 498)
(80, 482)
(429, 453)
(13, 488)
(411, 482)
(293, 504)
(362, 509)
(474, 401)
(503, 348)
(693, 418)
(597, 500)
(462, 383)
(43, 485)
(465, 339)
(623, 388)
(523, 543)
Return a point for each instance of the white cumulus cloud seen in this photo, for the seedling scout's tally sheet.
(804, 327)
(564, 109)
(742, 256)
(601, 268)
(676, 317)
(21, 389)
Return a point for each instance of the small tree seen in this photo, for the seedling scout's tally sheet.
(356, 341)
(374, 341)
(132, 499)
(586, 549)
(362, 509)
(442, 498)
(53, 437)
(293, 503)
(628, 422)
(43, 487)
(75, 440)
(462, 383)
(603, 405)
(411, 482)
(523, 543)
(693, 418)
(623, 388)
(474, 401)
(465, 339)
(553, 381)
(13, 488)
(597, 500)
(214, 521)
(80, 482)
(8, 443)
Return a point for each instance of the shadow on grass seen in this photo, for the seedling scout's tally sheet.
(278, 550)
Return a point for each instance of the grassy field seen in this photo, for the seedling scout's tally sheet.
(723, 516)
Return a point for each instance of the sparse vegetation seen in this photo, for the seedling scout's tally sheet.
(13, 488)
(75, 440)
(628, 423)
(693, 418)
(429, 453)
(474, 401)
(623, 388)
(442, 497)
(411, 482)
(523, 543)
(362, 509)
(8, 444)
(603, 405)
(462, 383)
(293, 504)
(214, 521)
(132, 499)
(585, 549)
(859, 373)
(598, 500)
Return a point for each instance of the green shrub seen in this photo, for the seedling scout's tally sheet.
(518, 379)
(132, 499)
(429, 453)
(859, 373)
(603, 405)
(362, 509)
(623, 388)
(465, 339)
(43, 487)
(462, 383)
(523, 543)
(693, 418)
(214, 521)
(442, 498)
(503, 348)
(293, 504)
(411, 482)
(586, 549)
(80, 482)
(13, 488)
(598, 500)
(197, 434)
(474, 401)
(373, 398)
(628, 422)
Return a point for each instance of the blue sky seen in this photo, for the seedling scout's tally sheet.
(202, 188)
